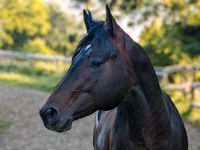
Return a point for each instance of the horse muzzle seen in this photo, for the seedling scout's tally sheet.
(52, 119)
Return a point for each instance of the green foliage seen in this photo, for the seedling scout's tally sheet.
(170, 35)
(37, 45)
(35, 26)
(62, 37)
(173, 37)
(21, 20)
(171, 44)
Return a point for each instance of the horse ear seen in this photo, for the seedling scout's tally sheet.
(89, 22)
(110, 23)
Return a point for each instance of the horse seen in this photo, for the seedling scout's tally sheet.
(111, 75)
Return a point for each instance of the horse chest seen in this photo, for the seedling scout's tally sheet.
(106, 139)
(103, 139)
(103, 131)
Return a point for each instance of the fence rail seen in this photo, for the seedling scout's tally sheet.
(186, 86)
(31, 56)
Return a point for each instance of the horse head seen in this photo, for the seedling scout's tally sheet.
(97, 79)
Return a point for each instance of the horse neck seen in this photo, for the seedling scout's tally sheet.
(143, 74)
(149, 114)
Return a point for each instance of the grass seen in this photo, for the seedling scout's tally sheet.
(45, 75)
(38, 75)
(4, 125)
(31, 81)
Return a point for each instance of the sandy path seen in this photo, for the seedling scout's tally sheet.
(21, 106)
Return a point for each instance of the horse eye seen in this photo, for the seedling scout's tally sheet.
(96, 63)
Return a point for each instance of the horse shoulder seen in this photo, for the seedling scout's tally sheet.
(104, 122)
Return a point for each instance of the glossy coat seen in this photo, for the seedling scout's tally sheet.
(111, 74)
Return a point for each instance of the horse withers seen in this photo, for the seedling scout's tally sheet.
(111, 75)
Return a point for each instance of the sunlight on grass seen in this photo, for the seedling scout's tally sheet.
(35, 74)
(31, 81)
(12, 77)
(50, 67)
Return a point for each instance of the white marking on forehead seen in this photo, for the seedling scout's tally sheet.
(87, 47)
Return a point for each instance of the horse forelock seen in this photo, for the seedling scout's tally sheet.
(96, 37)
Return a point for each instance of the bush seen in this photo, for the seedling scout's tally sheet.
(37, 45)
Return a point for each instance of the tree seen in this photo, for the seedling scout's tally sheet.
(21, 20)
(35, 26)
(172, 36)
(63, 36)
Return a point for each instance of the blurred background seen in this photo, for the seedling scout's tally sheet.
(38, 38)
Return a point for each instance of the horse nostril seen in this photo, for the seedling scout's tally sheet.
(49, 115)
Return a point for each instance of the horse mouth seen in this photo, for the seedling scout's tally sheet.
(67, 126)
(60, 127)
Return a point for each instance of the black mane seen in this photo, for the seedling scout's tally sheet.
(96, 34)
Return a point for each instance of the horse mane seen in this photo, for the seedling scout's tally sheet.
(96, 33)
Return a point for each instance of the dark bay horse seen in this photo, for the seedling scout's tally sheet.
(111, 74)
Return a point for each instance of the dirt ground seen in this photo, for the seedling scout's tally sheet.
(21, 106)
